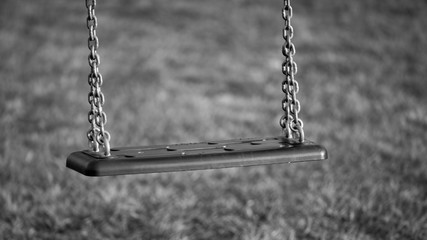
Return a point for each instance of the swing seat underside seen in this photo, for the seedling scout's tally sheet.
(195, 156)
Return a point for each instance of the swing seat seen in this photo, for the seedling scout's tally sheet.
(195, 156)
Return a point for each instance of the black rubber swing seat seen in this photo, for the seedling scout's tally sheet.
(195, 156)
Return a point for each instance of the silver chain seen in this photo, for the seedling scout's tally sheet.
(98, 137)
(291, 124)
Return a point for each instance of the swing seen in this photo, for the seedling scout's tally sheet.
(101, 160)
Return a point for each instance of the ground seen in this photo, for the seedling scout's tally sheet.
(187, 70)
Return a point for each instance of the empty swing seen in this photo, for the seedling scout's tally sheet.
(101, 160)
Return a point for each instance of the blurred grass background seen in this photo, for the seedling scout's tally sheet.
(187, 70)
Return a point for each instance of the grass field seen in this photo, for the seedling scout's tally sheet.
(192, 70)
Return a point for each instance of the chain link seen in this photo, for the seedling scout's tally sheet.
(291, 124)
(97, 136)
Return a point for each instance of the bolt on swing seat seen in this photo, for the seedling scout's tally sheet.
(193, 156)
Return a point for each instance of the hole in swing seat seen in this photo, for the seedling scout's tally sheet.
(126, 156)
(170, 149)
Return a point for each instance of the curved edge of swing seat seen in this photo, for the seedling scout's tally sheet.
(195, 156)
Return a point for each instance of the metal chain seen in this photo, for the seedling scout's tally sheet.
(291, 124)
(97, 135)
